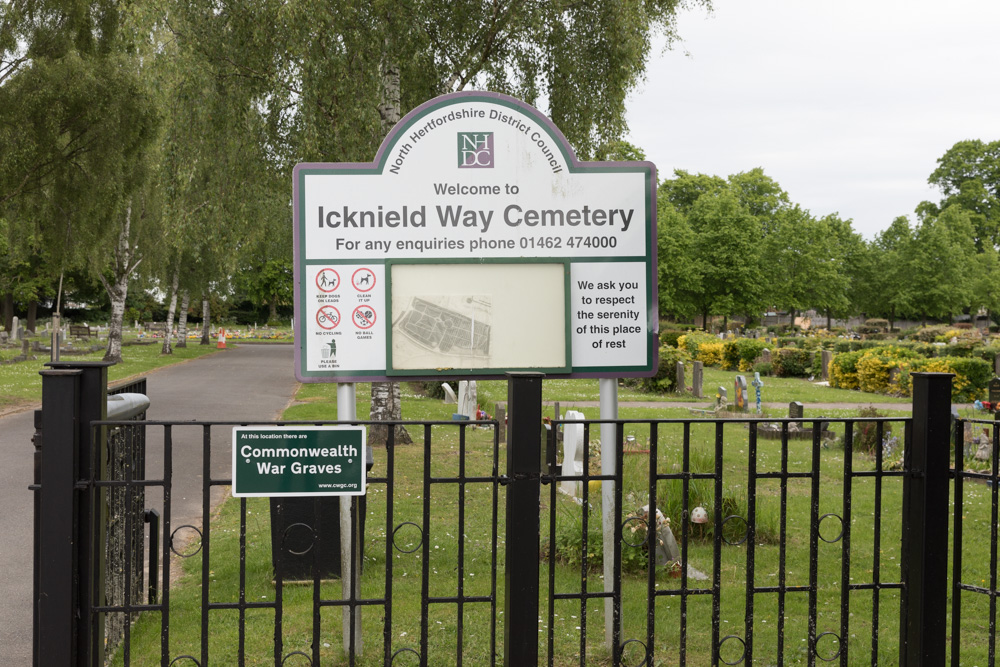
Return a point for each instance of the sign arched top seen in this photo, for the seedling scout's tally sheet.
(485, 246)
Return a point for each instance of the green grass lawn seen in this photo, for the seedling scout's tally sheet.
(442, 555)
(20, 383)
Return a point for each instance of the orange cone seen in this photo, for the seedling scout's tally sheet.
(222, 339)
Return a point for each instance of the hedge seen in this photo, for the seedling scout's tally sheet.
(665, 379)
(871, 370)
(739, 354)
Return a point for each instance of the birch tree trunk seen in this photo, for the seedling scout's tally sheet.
(167, 348)
(182, 326)
(125, 262)
(386, 404)
(206, 324)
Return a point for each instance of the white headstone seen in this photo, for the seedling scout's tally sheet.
(467, 398)
(449, 393)
(13, 329)
(572, 463)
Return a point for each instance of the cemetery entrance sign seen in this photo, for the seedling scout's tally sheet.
(475, 244)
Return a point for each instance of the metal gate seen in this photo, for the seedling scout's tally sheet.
(473, 554)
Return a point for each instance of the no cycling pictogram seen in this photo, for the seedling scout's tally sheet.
(328, 317)
(327, 280)
(364, 317)
(363, 280)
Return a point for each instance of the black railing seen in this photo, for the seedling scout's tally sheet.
(808, 547)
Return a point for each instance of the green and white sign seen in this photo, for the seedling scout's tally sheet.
(299, 461)
(476, 243)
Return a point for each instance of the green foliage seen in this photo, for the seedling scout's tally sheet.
(669, 337)
(744, 350)
(791, 362)
(665, 379)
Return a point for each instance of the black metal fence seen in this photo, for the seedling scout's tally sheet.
(479, 551)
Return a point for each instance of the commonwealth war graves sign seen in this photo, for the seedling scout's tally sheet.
(476, 243)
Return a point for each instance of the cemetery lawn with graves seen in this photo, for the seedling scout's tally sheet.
(563, 552)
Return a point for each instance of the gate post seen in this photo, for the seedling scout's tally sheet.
(524, 451)
(70, 447)
(924, 561)
(55, 620)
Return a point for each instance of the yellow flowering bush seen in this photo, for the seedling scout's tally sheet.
(710, 354)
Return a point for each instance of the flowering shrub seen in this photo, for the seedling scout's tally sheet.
(693, 340)
(710, 354)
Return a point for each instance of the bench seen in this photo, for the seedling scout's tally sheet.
(80, 331)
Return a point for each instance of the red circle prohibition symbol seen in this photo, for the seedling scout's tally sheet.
(364, 317)
(328, 317)
(324, 283)
(367, 279)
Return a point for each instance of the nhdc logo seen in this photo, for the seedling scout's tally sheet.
(475, 150)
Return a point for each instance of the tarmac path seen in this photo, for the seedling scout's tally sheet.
(246, 383)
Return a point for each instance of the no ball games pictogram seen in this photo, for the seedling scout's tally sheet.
(364, 317)
(328, 317)
(363, 280)
(327, 280)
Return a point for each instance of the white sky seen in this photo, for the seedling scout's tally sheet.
(847, 104)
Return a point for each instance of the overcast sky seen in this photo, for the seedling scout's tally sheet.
(847, 104)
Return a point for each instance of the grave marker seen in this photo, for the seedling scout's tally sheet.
(572, 462)
(697, 378)
(680, 377)
(827, 357)
(796, 411)
(13, 330)
(742, 400)
(994, 389)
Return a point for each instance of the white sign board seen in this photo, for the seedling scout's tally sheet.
(473, 245)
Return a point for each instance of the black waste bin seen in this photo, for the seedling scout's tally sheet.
(292, 529)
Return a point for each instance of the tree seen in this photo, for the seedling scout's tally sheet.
(804, 267)
(679, 274)
(941, 259)
(969, 174)
(331, 77)
(727, 254)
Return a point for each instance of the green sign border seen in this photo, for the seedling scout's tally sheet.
(359, 440)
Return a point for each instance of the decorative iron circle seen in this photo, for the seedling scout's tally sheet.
(743, 653)
(407, 551)
(746, 531)
(295, 653)
(184, 657)
(819, 526)
(645, 653)
(840, 646)
(193, 553)
(625, 523)
(403, 650)
(284, 539)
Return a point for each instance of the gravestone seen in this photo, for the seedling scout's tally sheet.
(449, 393)
(681, 386)
(994, 388)
(4, 336)
(765, 356)
(796, 411)
(721, 398)
(572, 462)
(20, 333)
(894, 376)
(827, 357)
(467, 398)
(697, 378)
(13, 330)
(742, 401)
